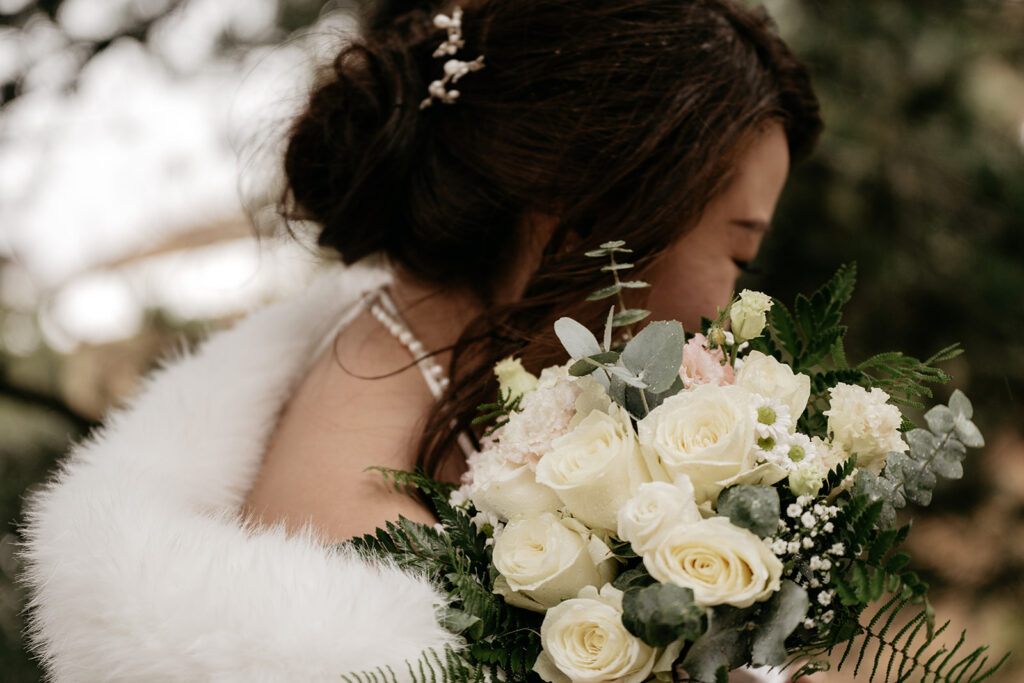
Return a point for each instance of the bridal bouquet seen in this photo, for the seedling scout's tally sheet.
(671, 506)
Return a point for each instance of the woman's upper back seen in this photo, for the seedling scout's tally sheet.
(362, 404)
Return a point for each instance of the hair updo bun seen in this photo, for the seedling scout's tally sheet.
(360, 163)
(350, 153)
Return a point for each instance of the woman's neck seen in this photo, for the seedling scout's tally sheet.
(437, 316)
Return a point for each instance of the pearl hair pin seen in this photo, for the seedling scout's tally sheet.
(454, 69)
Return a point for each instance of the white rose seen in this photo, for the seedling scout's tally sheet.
(655, 510)
(584, 641)
(764, 375)
(708, 435)
(504, 489)
(545, 559)
(513, 379)
(595, 468)
(748, 314)
(722, 564)
(863, 422)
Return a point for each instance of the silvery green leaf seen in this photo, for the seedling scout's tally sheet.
(940, 420)
(656, 353)
(654, 400)
(596, 253)
(725, 643)
(783, 613)
(948, 462)
(918, 480)
(969, 433)
(661, 614)
(755, 508)
(629, 316)
(885, 489)
(961, 405)
(613, 244)
(577, 339)
(614, 267)
(626, 376)
(585, 366)
(605, 292)
(922, 442)
(457, 621)
(635, 284)
(616, 389)
(608, 329)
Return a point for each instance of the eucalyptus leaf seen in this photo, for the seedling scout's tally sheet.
(779, 618)
(948, 462)
(940, 420)
(457, 621)
(629, 316)
(585, 366)
(755, 508)
(597, 253)
(961, 405)
(662, 613)
(626, 376)
(615, 244)
(605, 292)
(656, 353)
(880, 488)
(616, 389)
(577, 339)
(634, 284)
(608, 327)
(725, 643)
(918, 480)
(634, 578)
(922, 442)
(654, 400)
(969, 433)
(615, 267)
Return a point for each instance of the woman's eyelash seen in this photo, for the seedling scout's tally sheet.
(746, 267)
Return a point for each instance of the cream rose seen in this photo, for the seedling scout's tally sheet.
(584, 641)
(595, 468)
(863, 422)
(656, 510)
(708, 435)
(722, 564)
(545, 559)
(504, 489)
(748, 314)
(764, 375)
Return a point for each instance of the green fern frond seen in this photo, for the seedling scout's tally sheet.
(409, 482)
(448, 666)
(884, 649)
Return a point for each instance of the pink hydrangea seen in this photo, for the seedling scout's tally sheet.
(702, 365)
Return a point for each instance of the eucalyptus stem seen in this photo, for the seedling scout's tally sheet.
(628, 331)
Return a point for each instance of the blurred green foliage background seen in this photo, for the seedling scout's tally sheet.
(919, 179)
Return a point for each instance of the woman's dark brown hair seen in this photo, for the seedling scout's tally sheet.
(619, 117)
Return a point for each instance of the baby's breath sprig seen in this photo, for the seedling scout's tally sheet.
(624, 317)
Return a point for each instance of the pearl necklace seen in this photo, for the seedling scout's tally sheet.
(383, 308)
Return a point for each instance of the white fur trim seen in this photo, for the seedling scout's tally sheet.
(138, 564)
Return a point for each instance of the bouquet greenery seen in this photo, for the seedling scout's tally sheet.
(672, 507)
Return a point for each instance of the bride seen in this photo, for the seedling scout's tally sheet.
(480, 150)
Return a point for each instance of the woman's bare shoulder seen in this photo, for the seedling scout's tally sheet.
(337, 424)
